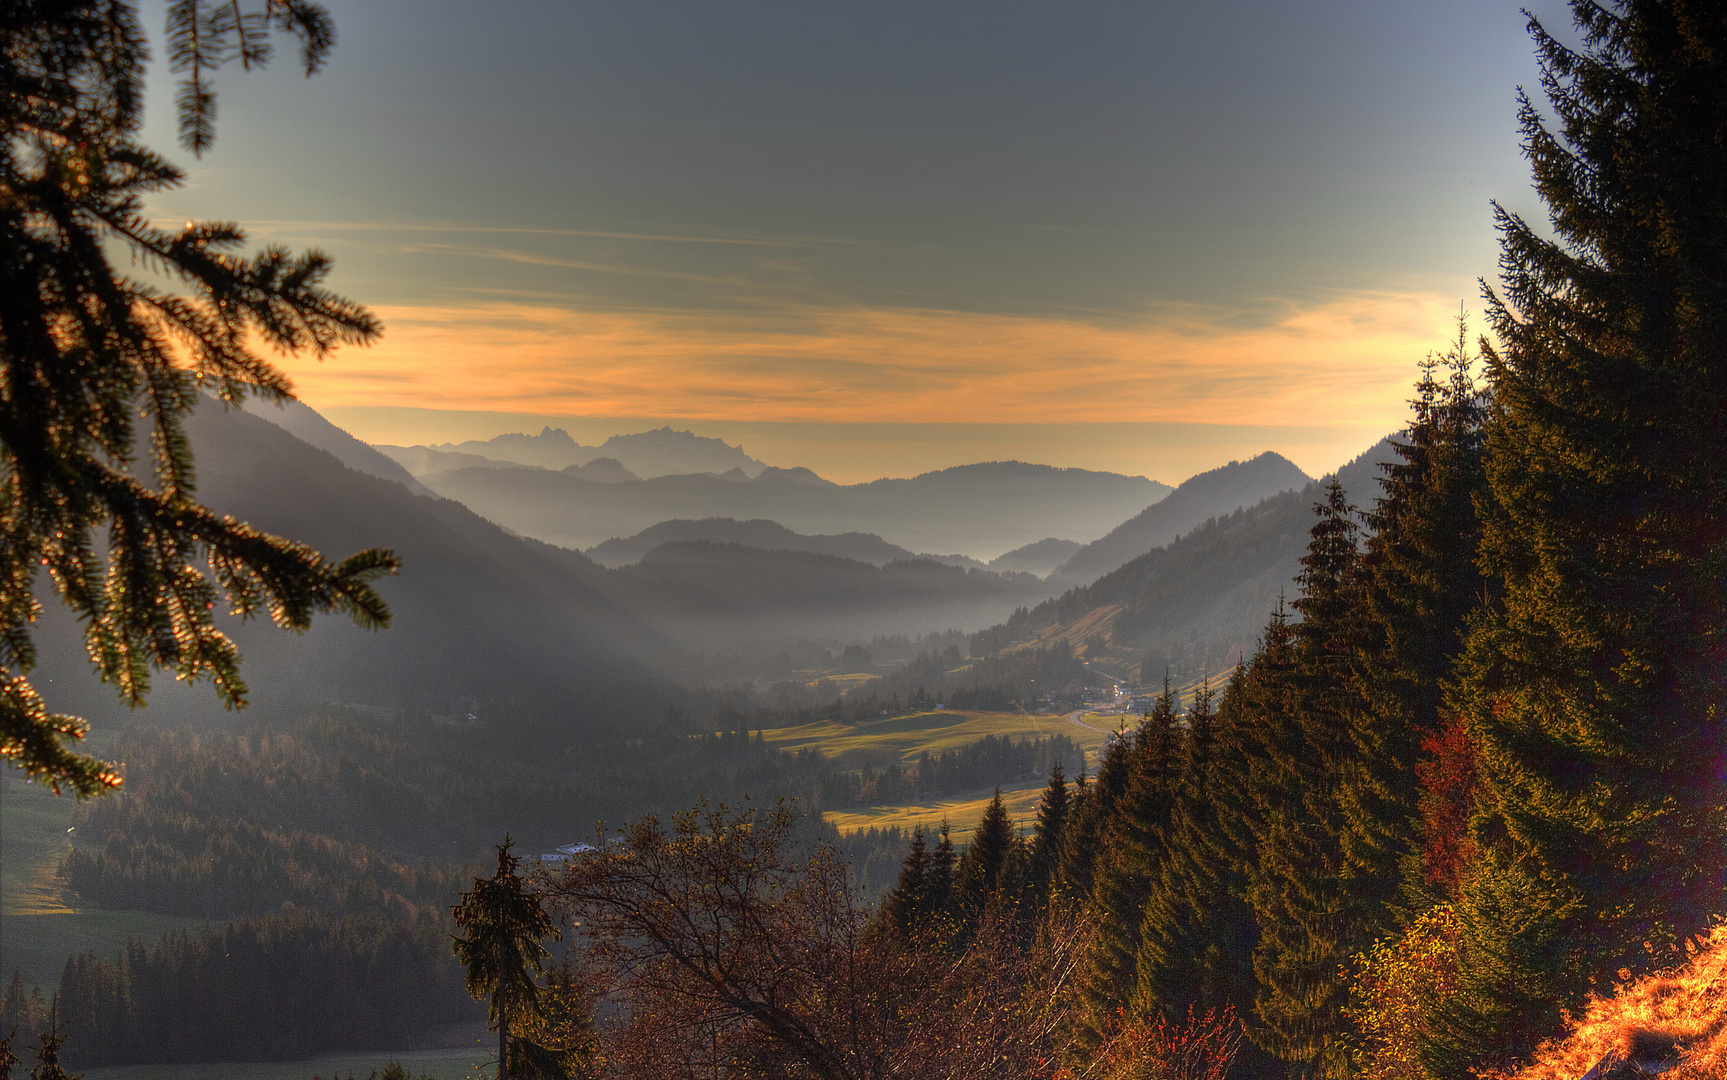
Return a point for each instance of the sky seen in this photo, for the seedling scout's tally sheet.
(874, 239)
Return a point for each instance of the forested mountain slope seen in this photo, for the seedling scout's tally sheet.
(1199, 498)
(1198, 603)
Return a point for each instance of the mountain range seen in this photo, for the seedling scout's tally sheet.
(644, 454)
(978, 510)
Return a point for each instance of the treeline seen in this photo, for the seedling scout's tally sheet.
(226, 825)
(163, 858)
(274, 988)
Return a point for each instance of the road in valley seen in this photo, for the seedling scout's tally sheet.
(1074, 719)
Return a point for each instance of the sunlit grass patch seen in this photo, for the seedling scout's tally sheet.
(962, 813)
(878, 739)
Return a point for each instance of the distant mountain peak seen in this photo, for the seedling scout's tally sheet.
(1200, 497)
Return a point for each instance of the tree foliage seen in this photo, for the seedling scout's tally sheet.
(99, 369)
(1595, 689)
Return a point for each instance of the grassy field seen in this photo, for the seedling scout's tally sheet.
(37, 930)
(962, 813)
(878, 741)
(33, 839)
(907, 736)
(459, 1064)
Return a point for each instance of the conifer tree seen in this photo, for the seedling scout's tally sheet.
(1309, 925)
(983, 871)
(1196, 936)
(1044, 859)
(1126, 868)
(98, 370)
(1595, 689)
(1088, 818)
(1419, 584)
(504, 928)
(939, 901)
(907, 903)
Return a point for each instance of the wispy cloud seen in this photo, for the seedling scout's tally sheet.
(409, 228)
(1346, 361)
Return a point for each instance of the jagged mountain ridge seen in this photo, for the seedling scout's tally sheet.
(646, 454)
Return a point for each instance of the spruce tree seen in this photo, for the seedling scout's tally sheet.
(1308, 918)
(1419, 584)
(1126, 868)
(1196, 936)
(99, 370)
(1595, 689)
(1044, 858)
(1088, 818)
(906, 904)
(939, 900)
(983, 871)
(502, 949)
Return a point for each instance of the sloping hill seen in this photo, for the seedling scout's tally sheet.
(1197, 603)
(978, 510)
(1039, 558)
(1207, 495)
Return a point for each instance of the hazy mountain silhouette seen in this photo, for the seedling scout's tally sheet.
(705, 594)
(1039, 558)
(421, 460)
(979, 510)
(763, 534)
(603, 471)
(309, 426)
(646, 454)
(1203, 600)
(1207, 495)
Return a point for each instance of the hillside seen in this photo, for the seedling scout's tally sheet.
(1198, 603)
(1199, 498)
(309, 426)
(478, 614)
(978, 510)
(1039, 558)
(767, 535)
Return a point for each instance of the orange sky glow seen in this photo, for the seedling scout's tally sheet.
(1347, 361)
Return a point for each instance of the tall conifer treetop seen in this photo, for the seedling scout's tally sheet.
(98, 370)
(1596, 689)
